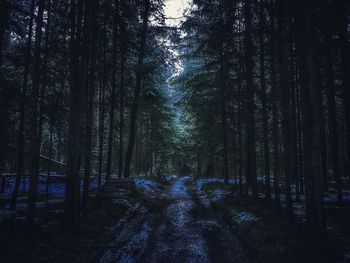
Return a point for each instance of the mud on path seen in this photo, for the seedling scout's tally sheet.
(186, 228)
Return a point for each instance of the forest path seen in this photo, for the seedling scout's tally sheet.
(186, 228)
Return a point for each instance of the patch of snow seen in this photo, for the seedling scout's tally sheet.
(218, 195)
(170, 177)
(179, 188)
(200, 182)
(57, 185)
(148, 186)
(332, 197)
(178, 213)
(243, 217)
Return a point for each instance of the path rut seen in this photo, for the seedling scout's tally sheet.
(186, 230)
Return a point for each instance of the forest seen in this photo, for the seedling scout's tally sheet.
(175, 131)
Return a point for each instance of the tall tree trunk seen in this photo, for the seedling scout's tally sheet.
(34, 127)
(332, 125)
(223, 99)
(22, 110)
(342, 10)
(294, 118)
(251, 153)
(102, 106)
(275, 134)
(266, 148)
(285, 103)
(323, 141)
(234, 141)
(311, 120)
(113, 87)
(42, 95)
(4, 16)
(138, 85)
(92, 13)
(123, 50)
(299, 141)
(49, 164)
(77, 64)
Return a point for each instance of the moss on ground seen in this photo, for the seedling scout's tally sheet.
(50, 242)
(272, 238)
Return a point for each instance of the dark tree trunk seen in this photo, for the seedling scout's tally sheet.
(102, 107)
(4, 16)
(77, 78)
(138, 85)
(92, 14)
(285, 105)
(101, 133)
(266, 148)
(323, 141)
(251, 153)
(43, 88)
(49, 165)
(332, 125)
(123, 50)
(343, 14)
(34, 126)
(234, 141)
(299, 141)
(294, 131)
(223, 100)
(275, 134)
(311, 120)
(22, 110)
(113, 87)
(240, 107)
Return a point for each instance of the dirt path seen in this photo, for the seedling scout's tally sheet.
(187, 229)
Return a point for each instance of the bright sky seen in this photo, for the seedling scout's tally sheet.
(175, 9)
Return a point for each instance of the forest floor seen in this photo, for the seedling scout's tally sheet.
(168, 220)
(183, 228)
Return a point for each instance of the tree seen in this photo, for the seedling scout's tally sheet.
(251, 152)
(113, 91)
(78, 58)
(34, 129)
(22, 109)
(138, 85)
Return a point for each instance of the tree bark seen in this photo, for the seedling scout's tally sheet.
(138, 85)
(112, 109)
(34, 127)
(342, 10)
(285, 103)
(223, 99)
(251, 147)
(311, 120)
(22, 110)
(102, 107)
(4, 16)
(92, 14)
(275, 118)
(77, 79)
(123, 50)
(266, 146)
(332, 125)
